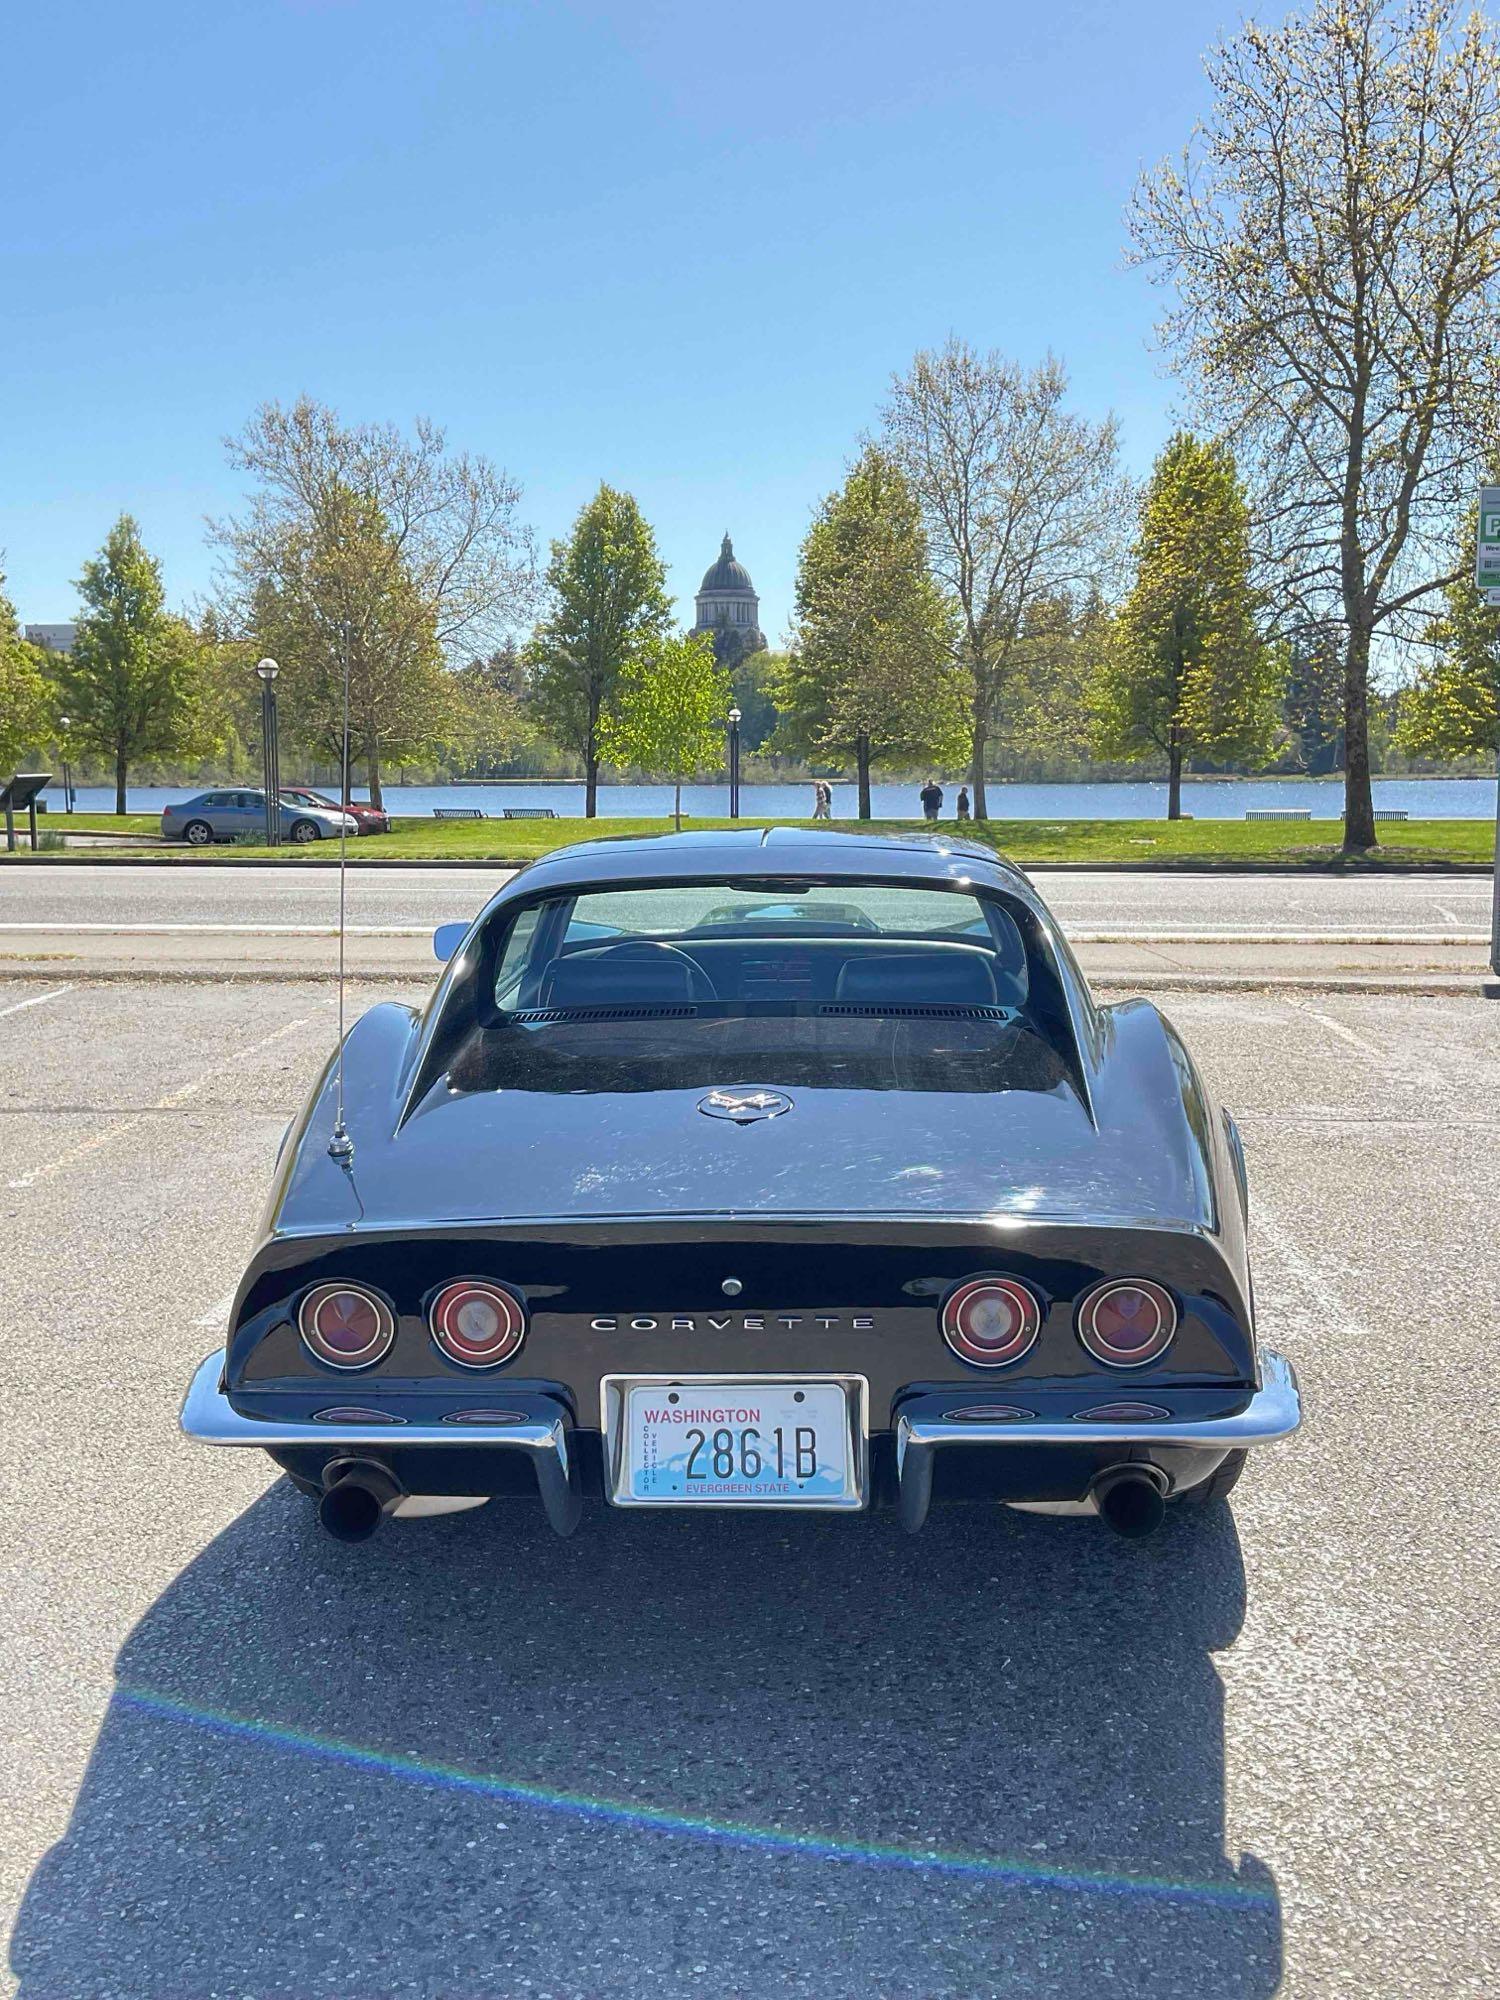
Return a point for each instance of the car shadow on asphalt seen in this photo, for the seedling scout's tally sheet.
(727, 1754)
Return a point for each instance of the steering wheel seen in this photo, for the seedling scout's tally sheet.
(650, 950)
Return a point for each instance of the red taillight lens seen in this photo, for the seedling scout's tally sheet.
(477, 1325)
(991, 1321)
(346, 1326)
(1127, 1323)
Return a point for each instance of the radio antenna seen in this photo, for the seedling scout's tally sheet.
(341, 1146)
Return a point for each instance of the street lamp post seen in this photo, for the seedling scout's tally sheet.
(64, 724)
(270, 752)
(734, 763)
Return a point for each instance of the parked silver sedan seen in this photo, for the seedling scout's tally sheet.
(230, 815)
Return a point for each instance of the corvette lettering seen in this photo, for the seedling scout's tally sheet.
(728, 1322)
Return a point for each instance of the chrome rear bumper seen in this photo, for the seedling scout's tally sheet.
(1273, 1411)
(209, 1417)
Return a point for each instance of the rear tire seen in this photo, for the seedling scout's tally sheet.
(197, 833)
(1220, 1485)
(304, 830)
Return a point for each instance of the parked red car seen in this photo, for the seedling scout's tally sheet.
(370, 818)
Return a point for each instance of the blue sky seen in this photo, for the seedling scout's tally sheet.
(677, 246)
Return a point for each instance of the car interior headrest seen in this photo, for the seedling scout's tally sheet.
(612, 978)
(955, 977)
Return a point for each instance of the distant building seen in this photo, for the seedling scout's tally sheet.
(728, 607)
(56, 638)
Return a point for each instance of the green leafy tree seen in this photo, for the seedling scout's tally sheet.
(872, 671)
(1021, 499)
(25, 704)
(754, 679)
(1332, 233)
(384, 543)
(608, 607)
(339, 582)
(668, 718)
(1452, 708)
(133, 685)
(1187, 671)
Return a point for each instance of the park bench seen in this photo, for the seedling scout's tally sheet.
(457, 812)
(1282, 812)
(529, 812)
(1391, 812)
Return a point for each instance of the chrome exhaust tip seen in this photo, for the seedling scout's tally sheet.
(1131, 1499)
(358, 1496)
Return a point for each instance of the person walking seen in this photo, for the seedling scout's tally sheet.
(963, 802)
(822, 799)
(932, 798)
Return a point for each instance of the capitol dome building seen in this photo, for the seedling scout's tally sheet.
(728, 607)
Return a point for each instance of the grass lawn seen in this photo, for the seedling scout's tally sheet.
(1151, 843)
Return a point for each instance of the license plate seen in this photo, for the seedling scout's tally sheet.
(776, 1443)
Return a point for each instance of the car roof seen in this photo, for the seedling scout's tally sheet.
(756, 852)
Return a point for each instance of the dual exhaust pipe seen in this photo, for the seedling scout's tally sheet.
(359, 1496)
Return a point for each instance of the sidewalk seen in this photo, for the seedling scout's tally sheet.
(1153, 962)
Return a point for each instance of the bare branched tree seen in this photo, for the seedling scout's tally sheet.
(1333, 233)
(357, 536)
(1022, 501)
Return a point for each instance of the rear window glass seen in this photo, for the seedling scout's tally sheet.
(715, 948)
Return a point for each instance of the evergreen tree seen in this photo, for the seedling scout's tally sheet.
(24, 694)
(668, 719)
(609, 604)
(872, 669)
(133, 685)
(1452, 709)
(1187, 670)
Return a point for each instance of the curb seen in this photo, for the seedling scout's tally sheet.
(1473, 986)
(1368, 871)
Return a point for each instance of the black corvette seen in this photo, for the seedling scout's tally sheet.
(755, 1170)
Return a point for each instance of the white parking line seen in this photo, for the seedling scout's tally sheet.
(51, 1168)
(1401, 1069)
(217, 1314)
(36, 1000)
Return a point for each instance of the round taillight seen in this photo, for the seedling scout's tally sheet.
(346, 1326)
(476, 1324)
(991, 1321)
(1127, 1323)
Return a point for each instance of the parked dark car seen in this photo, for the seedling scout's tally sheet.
(744, 1170)
(368, 819)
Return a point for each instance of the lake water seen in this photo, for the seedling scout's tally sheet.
(1204, 798)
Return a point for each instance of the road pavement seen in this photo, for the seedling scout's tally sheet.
(1293, 905)
(1156, 931)
(731, 1755)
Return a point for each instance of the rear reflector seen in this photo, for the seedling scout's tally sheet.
(988, 1413)
(1121, 1413)
(485, 1417)
(346, 1413)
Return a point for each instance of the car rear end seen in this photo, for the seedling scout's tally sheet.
(749, 1365)
(812, 1206)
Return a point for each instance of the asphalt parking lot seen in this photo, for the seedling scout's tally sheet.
(732, 1755)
